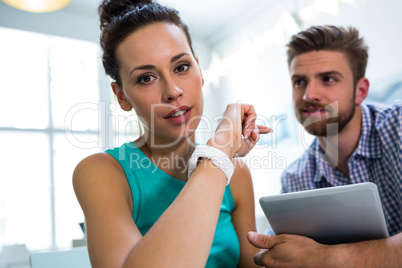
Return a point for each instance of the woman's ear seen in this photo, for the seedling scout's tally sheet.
(202, 77)
(362, 89)
(121, 97)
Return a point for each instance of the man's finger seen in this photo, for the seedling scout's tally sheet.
(259, 257)
(261, 240)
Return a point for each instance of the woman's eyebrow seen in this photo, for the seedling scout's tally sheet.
(142, 67)
(175, 58)
(149, 66)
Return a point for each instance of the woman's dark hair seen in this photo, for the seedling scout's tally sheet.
(120, 18)
(333, 38)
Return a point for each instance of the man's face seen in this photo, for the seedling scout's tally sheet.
(323, 91)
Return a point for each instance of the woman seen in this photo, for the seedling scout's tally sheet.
(141, 207)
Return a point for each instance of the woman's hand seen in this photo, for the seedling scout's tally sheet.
(237, 132)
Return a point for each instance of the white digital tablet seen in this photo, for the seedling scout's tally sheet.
(333, 215)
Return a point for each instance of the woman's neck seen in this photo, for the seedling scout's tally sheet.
(171, 157)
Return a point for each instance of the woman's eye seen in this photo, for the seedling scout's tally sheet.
(145, 79)
(182, 68)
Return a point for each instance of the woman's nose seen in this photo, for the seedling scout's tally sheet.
(172, 91)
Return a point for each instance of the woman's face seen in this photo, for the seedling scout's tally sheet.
(162, 81)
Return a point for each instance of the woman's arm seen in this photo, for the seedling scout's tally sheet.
(103, 192)
(243, 216)
(182, 236)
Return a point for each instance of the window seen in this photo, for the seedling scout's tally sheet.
(53, 114)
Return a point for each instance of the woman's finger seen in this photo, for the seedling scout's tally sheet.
(264, 129)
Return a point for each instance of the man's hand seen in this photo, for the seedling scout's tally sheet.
(288, 251)
(300, 251)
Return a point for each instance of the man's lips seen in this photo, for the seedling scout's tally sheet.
(310, 111)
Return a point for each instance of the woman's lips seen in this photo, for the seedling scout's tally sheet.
(179, 115)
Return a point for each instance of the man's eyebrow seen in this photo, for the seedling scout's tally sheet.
(329, 73)
(298, 76)
(301, 76)
(149, 66)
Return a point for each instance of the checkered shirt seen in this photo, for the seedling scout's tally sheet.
(377, 159)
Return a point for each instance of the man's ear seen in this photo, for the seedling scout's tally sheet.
(202, 77)
(124, 104)
(362, 90)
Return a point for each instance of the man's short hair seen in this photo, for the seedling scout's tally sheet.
(332, 38)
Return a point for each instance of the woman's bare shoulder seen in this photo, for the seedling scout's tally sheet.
(95, 165)
(99, 173)
(96, 159)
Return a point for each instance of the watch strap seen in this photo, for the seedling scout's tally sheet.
(217, 157)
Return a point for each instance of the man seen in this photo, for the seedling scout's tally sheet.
(354, 143)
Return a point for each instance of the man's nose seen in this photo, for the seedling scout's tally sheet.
(313, 92)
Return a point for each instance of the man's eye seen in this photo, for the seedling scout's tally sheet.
(329, 79)
(299, 83)
(182, 68)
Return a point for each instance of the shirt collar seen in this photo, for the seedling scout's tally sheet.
(325, 171)
(320, 160)
(369, 143)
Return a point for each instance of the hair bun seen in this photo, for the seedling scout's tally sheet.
(110, 9)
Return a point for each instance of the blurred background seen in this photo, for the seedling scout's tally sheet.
(57, 106)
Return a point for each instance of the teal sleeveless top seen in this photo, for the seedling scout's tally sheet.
(153, 191)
